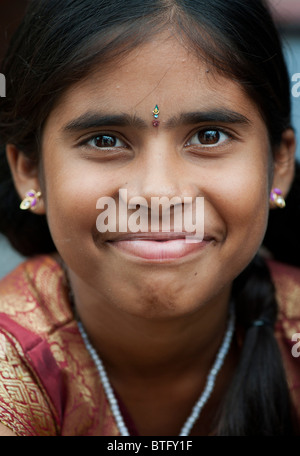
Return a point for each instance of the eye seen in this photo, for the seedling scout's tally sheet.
(209, 137)
(105, 142)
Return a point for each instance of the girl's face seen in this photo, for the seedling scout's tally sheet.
(211, 142)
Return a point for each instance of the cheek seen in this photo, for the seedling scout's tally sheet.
(72, 190)
(243, 202)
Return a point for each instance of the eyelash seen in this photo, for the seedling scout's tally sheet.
(219, 130)
(103, 135)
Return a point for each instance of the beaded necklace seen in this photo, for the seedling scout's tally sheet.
(210, 381)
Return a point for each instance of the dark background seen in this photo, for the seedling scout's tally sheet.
(11, 12)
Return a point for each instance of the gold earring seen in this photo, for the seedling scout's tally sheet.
(277, 198)
(30, 201)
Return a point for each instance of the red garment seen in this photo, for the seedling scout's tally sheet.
(49, 385)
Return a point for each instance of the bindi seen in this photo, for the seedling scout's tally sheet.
(155, 113)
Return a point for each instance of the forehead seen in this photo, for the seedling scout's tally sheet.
(162, 72)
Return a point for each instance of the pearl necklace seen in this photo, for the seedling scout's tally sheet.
(210, 381)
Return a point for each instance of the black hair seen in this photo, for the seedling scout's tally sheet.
(281, 237)
(59, 42)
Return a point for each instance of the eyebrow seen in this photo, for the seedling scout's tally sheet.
(223, 115)
(92, 119)
(96, 120)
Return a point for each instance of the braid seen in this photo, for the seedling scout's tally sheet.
(258, 401)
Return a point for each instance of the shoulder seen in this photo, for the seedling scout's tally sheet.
(49, 384)
(35, 295)
(25, 407)
(33, 306)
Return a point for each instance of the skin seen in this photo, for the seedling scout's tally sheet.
(157, 325)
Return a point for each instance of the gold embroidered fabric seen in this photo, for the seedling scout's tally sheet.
(48, 382)
(287, 283)
(23, 406)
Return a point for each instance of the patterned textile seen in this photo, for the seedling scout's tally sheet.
(48, 382)
(287, 283)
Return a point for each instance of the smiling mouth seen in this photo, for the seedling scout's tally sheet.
(160, 247)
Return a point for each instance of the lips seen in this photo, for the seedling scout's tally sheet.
(159, 246)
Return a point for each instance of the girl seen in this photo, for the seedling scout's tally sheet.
(116, 325)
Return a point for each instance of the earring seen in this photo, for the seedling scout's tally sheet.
(30, 201)
(277, 198)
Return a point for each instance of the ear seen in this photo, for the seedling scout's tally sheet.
(284, 162)
(25, 174)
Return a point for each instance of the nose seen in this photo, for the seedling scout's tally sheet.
(163, 188)
(161, 172)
